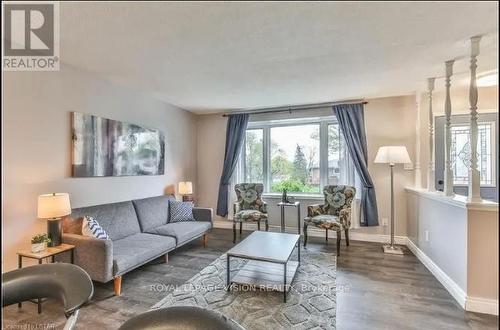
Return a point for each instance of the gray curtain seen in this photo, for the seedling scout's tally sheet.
(235, 135)
(352, 124)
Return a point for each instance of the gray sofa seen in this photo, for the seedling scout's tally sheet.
(139, 232)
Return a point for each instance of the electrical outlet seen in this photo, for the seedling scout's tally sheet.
(385, 222)
(426, 234)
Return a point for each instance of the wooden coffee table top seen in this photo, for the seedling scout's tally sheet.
(266, 246)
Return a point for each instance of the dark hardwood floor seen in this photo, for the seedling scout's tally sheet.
(375, 291)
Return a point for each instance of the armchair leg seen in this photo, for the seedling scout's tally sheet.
(234, 232)
(305, 234)
(241, 227)
(347, 237)
(326, 240)
(258, 225)
(267, 225)
(118, 285)
(339, 238)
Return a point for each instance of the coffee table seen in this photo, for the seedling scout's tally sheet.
(269, 264)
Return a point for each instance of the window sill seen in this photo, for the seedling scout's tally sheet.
(296, 196)
(460, 185)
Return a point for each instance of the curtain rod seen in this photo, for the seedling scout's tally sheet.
(293, 108)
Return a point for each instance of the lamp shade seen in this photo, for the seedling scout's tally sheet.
(54, 205)
(185, 188)
(392, 155)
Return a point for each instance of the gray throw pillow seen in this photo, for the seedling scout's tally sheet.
(181, 211)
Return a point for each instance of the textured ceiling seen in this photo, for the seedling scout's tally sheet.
(207, 57)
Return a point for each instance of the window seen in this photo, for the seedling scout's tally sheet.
(300, 156)
(254, 165)
(460, 154)
(295, 158)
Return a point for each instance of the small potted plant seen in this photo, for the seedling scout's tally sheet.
(39, 243)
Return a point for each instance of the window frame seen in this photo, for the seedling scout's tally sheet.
(493, 153)
(322, 122)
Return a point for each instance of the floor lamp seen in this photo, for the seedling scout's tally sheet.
(392, 155)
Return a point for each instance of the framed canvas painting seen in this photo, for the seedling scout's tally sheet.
(106, 147)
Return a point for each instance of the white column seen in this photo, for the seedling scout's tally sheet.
(418, 170)
(431, 172)
(474, 174)
(448, 173)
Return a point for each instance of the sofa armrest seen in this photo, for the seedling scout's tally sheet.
(94, 255)
(203, 214)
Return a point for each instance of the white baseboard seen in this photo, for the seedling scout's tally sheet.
(470, 304)
(481, 305)
(315, 232)
(453, 288)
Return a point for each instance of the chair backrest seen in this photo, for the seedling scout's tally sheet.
(250, 196)
(67, 283)
(338, 198)
(181, 317)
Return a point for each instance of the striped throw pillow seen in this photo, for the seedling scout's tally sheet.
(181, 211)
(91, 228)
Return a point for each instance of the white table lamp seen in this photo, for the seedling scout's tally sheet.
(53, 207)
(392, 155)
(186, 190)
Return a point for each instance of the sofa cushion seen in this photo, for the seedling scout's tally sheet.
(137, 249)
(152, 212)
(119, 220)
(181, 211)
(182, 231)
(92, 228)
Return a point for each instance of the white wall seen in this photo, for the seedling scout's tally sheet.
(388, 121)
(458, 242)
(37, 146)
(446, 225)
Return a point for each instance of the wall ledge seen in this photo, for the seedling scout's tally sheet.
(456, 200)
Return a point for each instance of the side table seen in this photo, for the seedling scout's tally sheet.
(50, 252)
(282, 205)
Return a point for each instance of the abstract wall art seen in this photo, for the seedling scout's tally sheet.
(106, 147)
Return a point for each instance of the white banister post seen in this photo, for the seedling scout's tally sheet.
(474, 194)
(431, 174)
(448, 173)
(418, 170)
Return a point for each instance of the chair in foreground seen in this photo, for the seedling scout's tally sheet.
(67, 283)
(181, 317)
(250, 207)
(335, 214)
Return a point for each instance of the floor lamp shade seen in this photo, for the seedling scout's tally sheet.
(392, 155)
(53, 207)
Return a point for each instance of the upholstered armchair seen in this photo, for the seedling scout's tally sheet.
(250, 207)
(334, 214)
